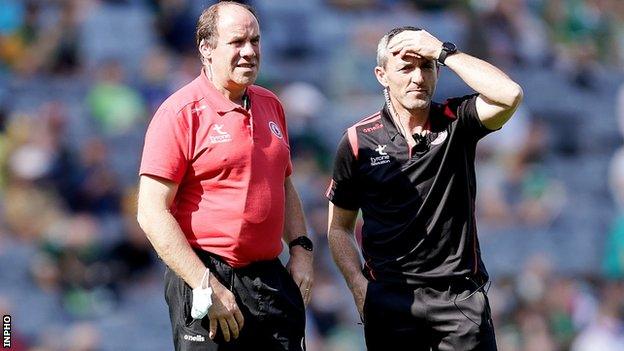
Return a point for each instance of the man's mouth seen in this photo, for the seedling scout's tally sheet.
(246, 65)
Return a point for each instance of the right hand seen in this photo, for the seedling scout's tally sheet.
(224, 313)
(360, 286)
(417, 43)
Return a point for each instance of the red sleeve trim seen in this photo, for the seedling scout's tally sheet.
(352, 134)
(448, 112)
(329, 188)
(160, 173)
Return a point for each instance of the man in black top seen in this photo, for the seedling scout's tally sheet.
(410, 169)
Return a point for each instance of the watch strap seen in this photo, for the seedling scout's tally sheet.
(302, 241)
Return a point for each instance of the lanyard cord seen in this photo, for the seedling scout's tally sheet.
(393, 114)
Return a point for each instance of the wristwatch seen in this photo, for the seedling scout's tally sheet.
(448, 49)
(302, 241)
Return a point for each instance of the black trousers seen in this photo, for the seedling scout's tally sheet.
(446, 316)
(266, 295)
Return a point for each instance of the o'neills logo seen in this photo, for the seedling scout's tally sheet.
(219, 136)
(198, 338)
(373, 128)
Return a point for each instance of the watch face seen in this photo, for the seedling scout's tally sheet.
(450, 47)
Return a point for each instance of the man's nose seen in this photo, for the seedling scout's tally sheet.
(418, 77)
(248, 50)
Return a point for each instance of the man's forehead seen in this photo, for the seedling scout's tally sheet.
(407, 59)
(235, 18)
(395, 39)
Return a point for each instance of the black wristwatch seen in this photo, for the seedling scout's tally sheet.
(302, 241)
(448, 49)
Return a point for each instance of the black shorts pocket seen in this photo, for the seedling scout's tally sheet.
(472, 304)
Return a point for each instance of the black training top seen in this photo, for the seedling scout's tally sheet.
(418, 205)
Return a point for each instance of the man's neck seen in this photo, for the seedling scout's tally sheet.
(412, 121)
(234, 94)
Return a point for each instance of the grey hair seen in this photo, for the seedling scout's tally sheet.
(382, 47)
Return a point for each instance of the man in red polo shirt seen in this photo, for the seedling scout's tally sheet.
(216, 199)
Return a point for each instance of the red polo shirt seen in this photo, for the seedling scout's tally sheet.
(230, 165)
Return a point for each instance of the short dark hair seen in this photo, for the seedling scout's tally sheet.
(207, 22)
(382, 54)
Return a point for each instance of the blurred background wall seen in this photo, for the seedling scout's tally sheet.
(80, 79)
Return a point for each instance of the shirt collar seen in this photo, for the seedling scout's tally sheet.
(388, 122)
(393, 130)
(220, 103)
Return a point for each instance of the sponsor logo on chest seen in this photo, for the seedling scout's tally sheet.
(218, 135)
(383, 157)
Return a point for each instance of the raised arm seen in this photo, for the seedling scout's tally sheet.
(499, 96)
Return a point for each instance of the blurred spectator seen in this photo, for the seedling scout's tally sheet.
(186, 69)
(114, 105)
(619, 109)
(20, 30)
(613, 260)
(31, 49)
(73, 245)
(515, 35)
(155, 84)
(131, 259)
(304, 105)
(606, 332)
(175, 22)
(517, 188)
(580, 30)
(94, 184)
(64, 56)
(83, 337)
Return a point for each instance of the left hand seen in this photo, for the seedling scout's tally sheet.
(300, 268)
(417, 43)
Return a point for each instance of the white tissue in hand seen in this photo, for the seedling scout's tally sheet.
(202, 300)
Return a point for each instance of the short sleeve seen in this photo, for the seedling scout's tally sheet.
(343, 190)
(166, 148)
(284, 126)
(465, 109)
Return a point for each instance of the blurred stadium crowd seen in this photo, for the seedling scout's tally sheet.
(80, 79)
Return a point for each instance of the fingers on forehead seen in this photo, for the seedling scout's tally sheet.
(402, 36)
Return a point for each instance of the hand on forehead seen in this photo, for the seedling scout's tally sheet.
(411, 45)
(399, 41)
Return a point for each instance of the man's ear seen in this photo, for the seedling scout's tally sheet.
(380, 74)
(205, 50)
